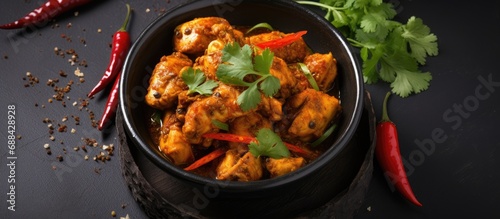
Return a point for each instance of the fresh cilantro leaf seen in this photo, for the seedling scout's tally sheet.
(237, 64)
(391, 65)
(249, 98)
(263, 62)
(269, 144)
(197, 83)
(340, 19)
(407, 82)
(377, 20)
(370, 65)
(422, 41)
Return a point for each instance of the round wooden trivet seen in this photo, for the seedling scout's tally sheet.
(159, 200)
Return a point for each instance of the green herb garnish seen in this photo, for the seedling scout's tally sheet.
(390, 50)
(309, 76)
(156, 118)
(269, 144)
(325, 135)
(220, 125)
(197, 83)
(237, 64)
(260, 25)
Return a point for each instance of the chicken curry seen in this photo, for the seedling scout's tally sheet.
(195, 103)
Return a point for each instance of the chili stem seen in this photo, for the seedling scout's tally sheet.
(127, 18)
(385, 115)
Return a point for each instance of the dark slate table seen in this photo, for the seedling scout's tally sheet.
(447, 133)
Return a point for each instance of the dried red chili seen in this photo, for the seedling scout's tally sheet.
(281, 42)
(47, 11)
(389, 156)
(119, 49)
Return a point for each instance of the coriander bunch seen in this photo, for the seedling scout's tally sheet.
(391, 51)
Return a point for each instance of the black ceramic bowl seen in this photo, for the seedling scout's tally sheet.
(302, 190)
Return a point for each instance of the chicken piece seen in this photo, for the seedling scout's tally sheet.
(247, 125)
(193, 37)
(295, 52)
(282, 166)
(221, 105)
(173, 143)
(271, 108)
(165, 83)
(236, 168)
(209, 62)
(323, 67)
(280, 69)
(311, 112)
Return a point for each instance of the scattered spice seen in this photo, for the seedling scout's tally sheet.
(62, 73)
(79, 73)
(32, 80)
(62, 128)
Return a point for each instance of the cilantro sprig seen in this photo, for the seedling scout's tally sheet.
(196, 81)
(269, 144)
(240, 68)
(391, 51)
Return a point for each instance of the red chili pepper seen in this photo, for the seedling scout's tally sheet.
(205, 159)
(389, 155)
(119, 49)
(247, 140)
(111, 105)
(47, 11)
(278, 43)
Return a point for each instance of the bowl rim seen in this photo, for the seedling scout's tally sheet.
(237, 186)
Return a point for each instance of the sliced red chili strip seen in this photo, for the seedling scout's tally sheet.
(278, 43)
(206, 159)
(247, 140)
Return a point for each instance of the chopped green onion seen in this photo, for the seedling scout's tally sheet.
(324, 136)
(156, 118)
(260, 25)
(309, 76)
(220, 125)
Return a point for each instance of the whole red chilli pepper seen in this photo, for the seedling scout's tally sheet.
(111, 105)
(119, 49)
(121, 42)
(389, 156)
(47, 11)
